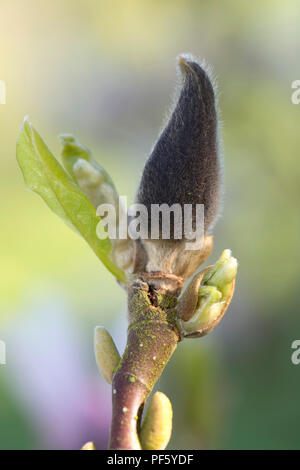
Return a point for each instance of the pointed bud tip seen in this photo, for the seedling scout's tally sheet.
(26, 124)
(27, 128)
(188, 63)
(88, 446)
(186, 60)
(99, 329)
(182, 61)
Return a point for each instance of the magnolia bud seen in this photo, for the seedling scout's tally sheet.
(157, 426)
(223, 272)
(88, 446)
(184, 167)
(208, 308)
(107, 356)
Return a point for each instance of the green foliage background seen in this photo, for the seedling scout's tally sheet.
(104, 71)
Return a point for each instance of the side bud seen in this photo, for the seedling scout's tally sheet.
(206, 299)
(223, 272)
(88, 446)
(157, 426)
(107, 355)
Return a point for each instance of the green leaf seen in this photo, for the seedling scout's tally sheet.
(45, 176)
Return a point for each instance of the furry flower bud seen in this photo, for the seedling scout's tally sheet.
(183, 167)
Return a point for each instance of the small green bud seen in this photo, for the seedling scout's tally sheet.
(157, 426)
(107, 356)
(223, 272)
(208, 308)
(88, 446)
(207, 296)
(214, 295)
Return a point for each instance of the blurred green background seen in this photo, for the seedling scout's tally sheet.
(105, 71)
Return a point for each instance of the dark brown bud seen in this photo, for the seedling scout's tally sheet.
(184, 165)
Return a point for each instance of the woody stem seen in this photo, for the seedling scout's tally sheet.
(151, 340)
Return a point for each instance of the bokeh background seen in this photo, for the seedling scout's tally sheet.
(105, 71)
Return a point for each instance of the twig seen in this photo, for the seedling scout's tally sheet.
(152, 338)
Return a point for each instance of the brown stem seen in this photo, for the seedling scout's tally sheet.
(152, 338)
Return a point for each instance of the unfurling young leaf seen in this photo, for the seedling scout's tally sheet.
(98, 186)
(45, 176)
(90, 176)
